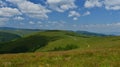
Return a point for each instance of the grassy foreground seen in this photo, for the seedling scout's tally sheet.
(74, 58)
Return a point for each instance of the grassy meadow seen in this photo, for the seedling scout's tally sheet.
(61, 49)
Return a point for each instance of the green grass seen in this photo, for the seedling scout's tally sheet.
(84, 43)
(61, 49)
(76, 58)
(33, 42)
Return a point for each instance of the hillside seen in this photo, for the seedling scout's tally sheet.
(33, 42)
(5, 37)
(61, 49)
(57, 41)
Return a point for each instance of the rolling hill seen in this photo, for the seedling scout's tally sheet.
(19, 31)
(54, 48)
(24, 32)
(33, 42)
(56, 41)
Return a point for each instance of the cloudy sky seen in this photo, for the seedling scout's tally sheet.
(91, 15)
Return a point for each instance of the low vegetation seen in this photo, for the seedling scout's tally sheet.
(75, 58)
(67, 47)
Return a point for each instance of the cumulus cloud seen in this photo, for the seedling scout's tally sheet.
(92, 3)
(107, 4)
(18, 18)
(61, 5)
(31, 9)
(75, 18)
(31, 22)
(74, 14)
(86, 13)
(112, 4)
(9, 12)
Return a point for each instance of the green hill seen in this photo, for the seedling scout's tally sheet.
(33, 42)
(5, 37)
(56, 41)
(61, 49)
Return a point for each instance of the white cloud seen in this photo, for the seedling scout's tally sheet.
(74, 14)
(74, 25)
(107, 4)
(16, 1)
(3, 20)
(56, 23)
(2, 4)
(112, 4)
(41, 25)
(39, 22)
(61, 5)
(101, 28)
(93, 3)
(117, 24)
(86, 13)
(31, 9)
(53, 1)
(31, 22)
(75, 18)
(21, 23)
(9, 12)
(18, 18)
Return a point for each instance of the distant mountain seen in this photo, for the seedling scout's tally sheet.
(10, 28)
(114, 33)
(19, 31)
(91, 33)
(7, 28)
(24, 32)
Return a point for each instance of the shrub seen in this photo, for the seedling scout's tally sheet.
(67, 47)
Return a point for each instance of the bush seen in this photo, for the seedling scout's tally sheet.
(71, 46)
(67, 47)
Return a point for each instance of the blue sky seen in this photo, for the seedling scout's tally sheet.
(102, 16)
